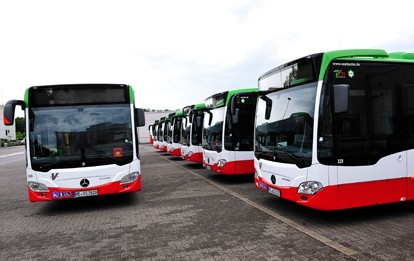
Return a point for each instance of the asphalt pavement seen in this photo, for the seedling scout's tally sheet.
(185, 212)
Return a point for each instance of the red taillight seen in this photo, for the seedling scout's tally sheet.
(6, 121)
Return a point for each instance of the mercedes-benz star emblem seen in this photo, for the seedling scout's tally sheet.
(273, 179)
(84, 183)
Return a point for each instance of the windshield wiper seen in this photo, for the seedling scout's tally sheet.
(216, 148)
(297, 160)
(61, 162)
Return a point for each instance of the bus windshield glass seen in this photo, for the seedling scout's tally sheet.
(80, 136)
(289, 75)
(212, 136)
(287, 136)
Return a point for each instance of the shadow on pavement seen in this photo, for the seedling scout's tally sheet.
(342, 217)
(232, 179)
(88, 204)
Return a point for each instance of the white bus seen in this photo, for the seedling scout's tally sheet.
(191, 142)
(174, 147)
(82, 140)
(151, 131)
(157, 128)
(165, 132)
(228, 139)
(335, 130)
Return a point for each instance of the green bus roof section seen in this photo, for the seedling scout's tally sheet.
(363, 54)
(131, 95)
(178, 113)
(199, 106)
(233, 92)
(26, 98)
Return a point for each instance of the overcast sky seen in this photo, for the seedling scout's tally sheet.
(179, 52)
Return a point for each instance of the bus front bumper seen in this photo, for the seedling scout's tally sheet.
(325, 199)
(232, 167)
(175, 152)
(70, 193)
(195, 157)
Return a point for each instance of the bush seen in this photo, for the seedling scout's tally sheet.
(10, 143)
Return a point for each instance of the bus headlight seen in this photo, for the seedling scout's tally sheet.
(37, 187)
(309, 187)
(190, 153)
(221, 163)
(131, 177)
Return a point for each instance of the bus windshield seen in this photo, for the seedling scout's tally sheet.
(80, 136)
(287, 135)
(213, 133)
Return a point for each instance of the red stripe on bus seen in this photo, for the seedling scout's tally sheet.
(351, 195)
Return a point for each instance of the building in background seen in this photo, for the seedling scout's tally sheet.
(150, 117)
(6, 132)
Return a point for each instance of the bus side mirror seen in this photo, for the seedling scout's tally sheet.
(190, 117)
(184, 123)
(268, 106)
(140, 117)
(199, 121)
(341, 98)
(210, 119)
(233, 105)
(235, 116)
(9, 108)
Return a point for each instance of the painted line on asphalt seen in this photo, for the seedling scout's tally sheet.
(13, 154)
(324, 240)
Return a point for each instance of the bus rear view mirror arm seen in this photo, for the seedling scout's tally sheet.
(211, 117)
(268, 106)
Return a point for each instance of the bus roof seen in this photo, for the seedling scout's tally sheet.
(223, 98)
(177, 114)
(81, 87)
(321, 61)
(187, 109)
(199, 106)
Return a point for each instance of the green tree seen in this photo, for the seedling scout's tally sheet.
(20, 125)
(20, 135)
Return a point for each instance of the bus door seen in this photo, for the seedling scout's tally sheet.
(240, 130)
(372, 165)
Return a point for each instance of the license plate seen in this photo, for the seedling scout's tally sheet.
(85, 193)
(273, 191)
(263, 186)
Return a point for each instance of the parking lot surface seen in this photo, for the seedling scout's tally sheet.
(185, 212)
